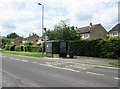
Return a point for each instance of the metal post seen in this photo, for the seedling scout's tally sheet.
(42, 21)
(42, 16)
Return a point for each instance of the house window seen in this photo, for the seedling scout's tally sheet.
(114, 33)
(86, 35)
(36, 40)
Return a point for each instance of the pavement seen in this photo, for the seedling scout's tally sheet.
(86, 61)
(55, 72)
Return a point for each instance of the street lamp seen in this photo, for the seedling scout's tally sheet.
(42, 16)
(42, 22)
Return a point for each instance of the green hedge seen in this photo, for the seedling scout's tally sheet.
(12, 47)
(83, 48)
(110, 48)
(106, 48)
(17, 48)
(9, 47)
(6, 47)
(31, 48)
(34, 48)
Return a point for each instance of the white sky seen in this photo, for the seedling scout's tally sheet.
(24, 16)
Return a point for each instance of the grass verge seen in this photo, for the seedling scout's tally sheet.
(34, 54)
(115, 63)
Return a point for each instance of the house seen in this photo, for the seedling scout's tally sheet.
(18, 41)
(91, 32)
(115, 31)
(34, 38)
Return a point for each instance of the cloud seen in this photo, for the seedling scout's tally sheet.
(25, 29)
(24, 16)
(119, 12)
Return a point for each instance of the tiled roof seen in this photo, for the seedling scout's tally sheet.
(88, 28)
(84, 29)
(116, 28)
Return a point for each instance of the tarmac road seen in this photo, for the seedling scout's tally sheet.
(43, 73)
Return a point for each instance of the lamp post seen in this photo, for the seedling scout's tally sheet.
(42, 22)
(42, 16)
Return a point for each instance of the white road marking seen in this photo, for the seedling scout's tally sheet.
(24, 60)
(95, 73)
(115, 68)
(117, 78)
(59, 67)
(59, 63)
(72, 70)
(17, 59)
(81, 68)
(21, 60)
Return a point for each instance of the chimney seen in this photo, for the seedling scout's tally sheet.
(29, 35)
(90, 24)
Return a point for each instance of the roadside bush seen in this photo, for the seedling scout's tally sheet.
(110, 48)
(6, 47)
(105, 48)
(12, 47)
(28, 48)
(83, 48)
(22, 48)
(3, 46)
(34, 48)
(17, 48)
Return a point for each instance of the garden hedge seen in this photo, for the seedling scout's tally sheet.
(17, 48)
(110, 48)
(84, 48)
(105, 48)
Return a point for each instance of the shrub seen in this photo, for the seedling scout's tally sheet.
(83, 48)
(34, 48)
(17, 48)
(22, 48)
(6, 47)
(27, 48)
(106, 48)
(12, 47)
(110, 48)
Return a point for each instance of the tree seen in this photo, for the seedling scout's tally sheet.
(51, 34)
(12, 35)
(63, 32)
(4, 40)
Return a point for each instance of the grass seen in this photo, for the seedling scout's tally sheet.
(34, 54)
(115, 63)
